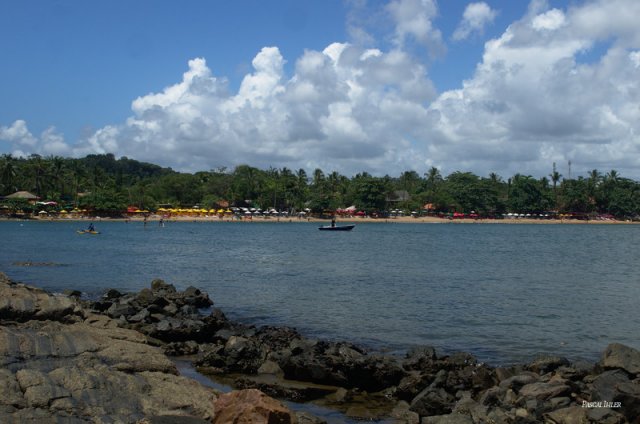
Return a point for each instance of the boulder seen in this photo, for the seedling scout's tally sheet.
(617, 355)
(604, 386)
(544, 391)
(548, 363)
(22, 303)
(570, 415)
(77, 371)
(419, 358)
(448, 419)
(251, 406)
(158, 286)
(432, 401)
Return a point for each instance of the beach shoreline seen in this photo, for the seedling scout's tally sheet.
(347, 220)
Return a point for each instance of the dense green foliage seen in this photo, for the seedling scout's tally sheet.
(105, 184)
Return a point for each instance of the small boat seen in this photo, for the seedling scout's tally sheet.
(337, 227)
(88, 232)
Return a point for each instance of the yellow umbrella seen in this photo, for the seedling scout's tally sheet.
(63, 211)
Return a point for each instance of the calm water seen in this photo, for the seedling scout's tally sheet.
(503, 292)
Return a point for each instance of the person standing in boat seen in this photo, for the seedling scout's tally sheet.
(333, 221)
(91, 227)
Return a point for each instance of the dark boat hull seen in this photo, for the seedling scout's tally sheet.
(337, 228)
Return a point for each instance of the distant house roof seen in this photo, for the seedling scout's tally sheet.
(22, 195)
(398, 196)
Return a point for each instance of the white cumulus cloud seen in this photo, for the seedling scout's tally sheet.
(414, 22)
(557, 85)
(474, 19)
(531, 101)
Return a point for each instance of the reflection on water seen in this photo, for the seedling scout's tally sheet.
(503, 292)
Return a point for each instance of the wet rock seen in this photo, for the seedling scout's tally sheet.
(448, 419)
(112, 294)
(271, 368)
(432, 401)
(604, 386)
(251, 407)
(160, 287)
(544, 391)
(517, 381)
(306, 418)
(277, 338)
(419, 358)
(412, 384)
(402, 414)
(502, 373)
(628, 396)
(181, 348)
(141, 316)
(460, 360)
(238, 355)
(617, 355)
(374, 373)
(468, 406)
(606, 416)
(72, 293)
(570, 415)
(285, 389)
(493, 396)
(196, 298)
(545, 364)
(117, 310)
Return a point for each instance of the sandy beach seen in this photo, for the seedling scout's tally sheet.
(351, 220)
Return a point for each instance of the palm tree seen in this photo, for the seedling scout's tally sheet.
(301, 186)
(612, 176)
(595, 178)
(8, 173)
(555, 177)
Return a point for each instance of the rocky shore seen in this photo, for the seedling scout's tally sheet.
(107, 360)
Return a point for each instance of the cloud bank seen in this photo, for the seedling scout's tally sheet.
(557, 85)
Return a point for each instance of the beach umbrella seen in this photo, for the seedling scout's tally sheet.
(42, 212)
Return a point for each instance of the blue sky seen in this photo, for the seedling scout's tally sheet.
(379, 86)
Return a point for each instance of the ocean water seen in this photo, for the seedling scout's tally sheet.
(505, 293)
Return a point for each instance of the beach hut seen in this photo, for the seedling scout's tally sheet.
(25, 195)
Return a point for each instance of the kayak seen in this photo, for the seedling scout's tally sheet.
(337, 228)
(88, 232)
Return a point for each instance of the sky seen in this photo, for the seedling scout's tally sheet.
(351, 86)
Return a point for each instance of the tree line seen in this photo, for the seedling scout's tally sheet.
(105, 184)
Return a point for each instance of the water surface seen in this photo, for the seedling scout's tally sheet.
(503, 292)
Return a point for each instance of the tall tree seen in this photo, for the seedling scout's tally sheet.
(555, 178)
